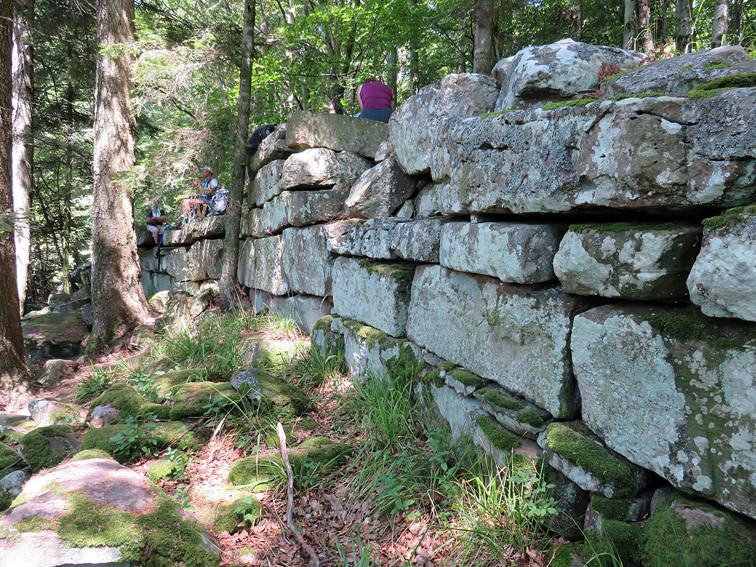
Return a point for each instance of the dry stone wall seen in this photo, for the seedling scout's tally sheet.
(580, 275)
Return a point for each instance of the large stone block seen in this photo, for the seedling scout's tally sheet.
(427, 202)
(372, 238)
(272, 148)
(418, 240)
(201, 261)
(266, 183)
(374, 293)
(191, 232)
(269, 267)
(245, 269)
(321, 167)
(516, 336)
(297, 208)
(414, 126)
(307, 262)
(723, 278)
(512, 252)
(306, 310)
(686, 383)
(651, 154)
(563, 69)
(153, 282)
(337, 132)
(631, 261)
(380, 191)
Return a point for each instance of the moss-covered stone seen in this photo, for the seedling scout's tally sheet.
(282, 399)
(91, 454)
(499, 113)
(730, 217)
(580, 449)
(179, 435)
(530, 417)
(121, 396)
(716, 66)
(497, 435)
(160, 411)
(624, 96)
(45, 447)
(323, 324)
(402, 271)
(616, 542)
(9, 460)
(689, 324)
(611, 508)
(166, 384)
(734, 81)
(493, 396)
(620, 227)
(564, 103)
(100, 438)
(684, 532)
(193, 399)
(564, 555)
(234, 515)
(168, 468)
(54, 335)
(5, 502)
(405, 365)
(467, 378)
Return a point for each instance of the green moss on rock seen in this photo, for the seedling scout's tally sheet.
(323, 324)
(580, 449)
(624, 96)
(619, 540)
(5, 502)
(234, 515)
(495, 397)
(620, 227)
(192, 399)
(734, 81)
(179, 435)
(100, 438)
(121, 396)
(689, 324)
(729, 217)
(610, 508)
(401, 271)
(9, 460)
(167, 468)
(467, 378)
(284, 400)
(564, 103)
(530, 417)
(91, 454)
(46, 447)
(618, 75)
(160, 411)
(716, 66)
(499, 437)
(167, 383)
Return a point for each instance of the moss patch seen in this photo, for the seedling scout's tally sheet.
(160, 411)
(498, 436)
(46, 447)
(179, 435)
(619, 540)
(530, 417)
(716, 66)
(404, 366)
(735, 81)
(580, 449)
(496, 398)
(120, 396)
(231, 516)
(467, 378)
(625, 96)
(192, 399)
(563, 103)
(282, 399)
(498, 113)
(730, 217)
(621, 227)
(99, 439)
(9, 460)
(689, 324)
(433, 377)
(166, 384)
(91, 454)
(167, 468)
(618, 75)
(613, 509)
(402, 272)
(323, 324)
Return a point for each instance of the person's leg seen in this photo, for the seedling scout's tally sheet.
(154, 230)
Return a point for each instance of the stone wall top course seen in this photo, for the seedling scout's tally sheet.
(321, 167)
(337, 132)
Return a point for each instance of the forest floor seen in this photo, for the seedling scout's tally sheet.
(402, 498)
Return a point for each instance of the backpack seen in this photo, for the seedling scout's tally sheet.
(220, 201)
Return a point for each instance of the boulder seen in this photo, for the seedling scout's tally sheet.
(13, 483)
(193, 230)
(247, 384)
(338, 132)
(104, 415)
(502, 68)
(513, 252)
(380, 191)
(298, 208)
(52, 372)
(372, 238)
(193, 399)
(428, 202)
(245, 269)
(682, 379)
(273, 147)
(320, 167)
(416, 124)
(722, 280)
(558, 70)
(52, 412)
(266, 183)
(627, 260)
(97, 512)
(269, 268)
(45, 447)
(306, 260)
(418, 240)
(677, 75)
(385, 150)
(54, 335)
(374, 293)
(153, 282)
(201, 261)
(516, 336)
(650, 154)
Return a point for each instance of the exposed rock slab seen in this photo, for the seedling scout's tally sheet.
(245, 269)
(54, 335)
(307, 262)
(335, 131)
(512, 252)
(561, 69)
(266, 184)
(154, 282)
(374, 293)
(297, 208)
(653, 154)
(273, 147)
(201, 261)
(380, 191)
(269, 267)
(723, 278)
(372, 238)
(512, 335)
(414, 126)
(686, 381)
(320, 167)
(209, 227)
(626, 260)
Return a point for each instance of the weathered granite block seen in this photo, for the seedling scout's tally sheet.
(379, 191)
(211, 257)
(337, 132)
(306, 310)
(374, 293)
(513, 412)
(297, 208)
(516, 336)
(686, 382)
(245, 269)
(269, 269)
(372, 238)
(631, 261)
(418, 240)
(320, 167)
(266, 184)
(153, 282)
(512, 252)
(272, 148)
(191, 232)
(723, 279)
(307, 262)
(201, 261)
(428, 202)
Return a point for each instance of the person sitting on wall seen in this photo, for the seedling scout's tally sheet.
(155, 220)
(258, 136)
(198, 208)
(375, 100)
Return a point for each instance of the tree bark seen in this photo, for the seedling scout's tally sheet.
(684, 25)
(719, 25)
(647, 35)
(118, 302)
(229, 289)
(15, 377)
(628, 31)
(483, 41)
(23, 144)
(414, 62)
(736, 26)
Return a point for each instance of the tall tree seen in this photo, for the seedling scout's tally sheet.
(229, 289)
(483, 41)
(719, 25)
(644, 19)
(118, 302)
(684, 25)
(23, 145)
(14, 372)
(628, 31)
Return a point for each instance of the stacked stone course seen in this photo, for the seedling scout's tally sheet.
(547, 270)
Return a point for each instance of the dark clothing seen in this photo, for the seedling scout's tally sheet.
(381, 115)
(258, 136)
(153, 213)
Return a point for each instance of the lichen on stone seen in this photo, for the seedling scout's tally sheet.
(689, 324)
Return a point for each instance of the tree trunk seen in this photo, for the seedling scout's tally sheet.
(23, 144)
(68, 182)
(736, 26)
(414, 62)
(647, 35)
(628, 32)
(684, 25)
(392, 64)
(118, 302)
(229, 289)
(664, 25)
(483, 36)
(719, 25)
(14, 372)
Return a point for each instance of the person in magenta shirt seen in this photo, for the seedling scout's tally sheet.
(375, 100)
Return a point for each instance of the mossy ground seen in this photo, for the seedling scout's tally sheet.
(91, 454)
(580, 449)
(9, 460)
